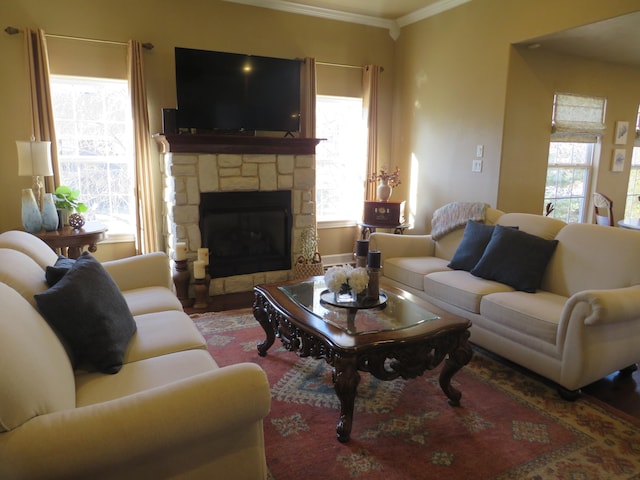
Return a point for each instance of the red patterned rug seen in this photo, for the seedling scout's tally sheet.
(510, 425)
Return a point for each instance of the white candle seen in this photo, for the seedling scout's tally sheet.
(203, 254)
(181, 251)
(198, 269)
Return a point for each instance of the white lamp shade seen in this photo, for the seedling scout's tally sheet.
(34, 158)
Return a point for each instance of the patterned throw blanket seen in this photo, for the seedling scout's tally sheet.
(455, 215)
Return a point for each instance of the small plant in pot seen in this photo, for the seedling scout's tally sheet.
(69, 206)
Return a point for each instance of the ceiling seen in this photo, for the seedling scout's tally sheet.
(615, 40)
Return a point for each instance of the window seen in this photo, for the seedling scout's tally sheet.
(632, 207)
(95, 148)
(577, 124)
(340, 159)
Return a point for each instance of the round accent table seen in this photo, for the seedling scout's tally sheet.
(69, 241)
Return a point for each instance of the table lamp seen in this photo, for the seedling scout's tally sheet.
(34, 159)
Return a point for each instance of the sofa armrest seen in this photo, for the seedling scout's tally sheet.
(392, 245)
(75, 443)
(609, 306)
(148, 270)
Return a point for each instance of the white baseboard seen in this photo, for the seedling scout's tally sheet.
(337, 259)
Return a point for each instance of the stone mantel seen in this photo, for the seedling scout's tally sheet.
(238, 144)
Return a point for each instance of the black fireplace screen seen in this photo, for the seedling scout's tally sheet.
(246, 232)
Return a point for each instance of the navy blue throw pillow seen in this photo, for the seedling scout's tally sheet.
(54, 273)
(515, 258)
(474, 241)
(88, 311)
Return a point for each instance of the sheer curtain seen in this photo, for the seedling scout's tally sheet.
(147, 231)
(308, 99)
(371, 76)
(42, 127)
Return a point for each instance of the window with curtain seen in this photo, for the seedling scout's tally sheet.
(95, 148)
(577, 125)
(340, 159)
(632, 206)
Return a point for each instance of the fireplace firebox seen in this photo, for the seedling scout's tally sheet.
(246, 232)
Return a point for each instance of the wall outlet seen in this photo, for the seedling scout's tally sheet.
(476, 166)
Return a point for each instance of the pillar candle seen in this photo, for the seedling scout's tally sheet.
(374, 259)
(181, 251)
(362, 248)
(203, 254)
(199, 269)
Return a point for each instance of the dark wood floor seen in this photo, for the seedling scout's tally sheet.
(620, 391)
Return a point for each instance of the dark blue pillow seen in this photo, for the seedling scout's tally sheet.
(88, 311)
(54, 273)
(515, 258)
(474, 241)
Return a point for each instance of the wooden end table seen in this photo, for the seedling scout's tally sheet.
(403, 338)
(69, 241)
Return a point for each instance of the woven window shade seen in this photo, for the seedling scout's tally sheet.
(577, 118)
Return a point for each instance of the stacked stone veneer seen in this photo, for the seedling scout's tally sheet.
(188, 175)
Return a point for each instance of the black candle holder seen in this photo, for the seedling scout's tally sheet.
(181, 279)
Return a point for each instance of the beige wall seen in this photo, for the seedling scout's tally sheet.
(452, 75)
(204, 24)
(534, 77)
(450, 82)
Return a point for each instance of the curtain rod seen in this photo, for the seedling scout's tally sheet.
(343, 65)
(12, 31)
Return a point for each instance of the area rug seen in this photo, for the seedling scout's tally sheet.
(510, 425)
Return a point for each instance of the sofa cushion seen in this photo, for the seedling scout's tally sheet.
(536, 315)
(461, 289)
(411, 270)
(150, 300)
(21, 273)
(515, 258)
(36, 374)
(53, 273)
(474, 241)
(91, 315)
(30, 245)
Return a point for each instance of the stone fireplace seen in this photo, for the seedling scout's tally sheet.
(281, 168)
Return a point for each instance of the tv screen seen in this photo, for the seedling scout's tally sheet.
(231, 92)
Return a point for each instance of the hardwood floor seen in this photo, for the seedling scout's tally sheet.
(621, 391)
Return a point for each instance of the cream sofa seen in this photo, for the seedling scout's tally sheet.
(581, 324)
(170, 411)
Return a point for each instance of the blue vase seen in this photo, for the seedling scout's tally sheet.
(49, 213)
(31, 217)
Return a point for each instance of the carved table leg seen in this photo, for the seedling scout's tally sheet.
(261, 316)
(345, 379)
(458, 357)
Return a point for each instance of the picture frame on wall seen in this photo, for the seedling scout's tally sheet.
(622, 129)
(617, 162)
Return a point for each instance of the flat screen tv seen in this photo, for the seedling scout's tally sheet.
(229, 92)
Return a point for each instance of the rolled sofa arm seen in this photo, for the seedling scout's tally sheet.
(148, 270)
(609, 306)
(74, 443)
(392, 245)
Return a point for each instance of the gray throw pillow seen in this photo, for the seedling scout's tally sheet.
(54, 273)
(86, 308)
(474, 241)
(515, 258)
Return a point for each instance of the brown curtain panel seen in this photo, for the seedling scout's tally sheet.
(308, 99)
(147, 231)
(371, 76)
(42, 127)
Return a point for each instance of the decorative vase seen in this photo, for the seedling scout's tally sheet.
(343, 296)
(49, 213)
(76, 220)
(31, 217)
(63, 215)
(384, 190)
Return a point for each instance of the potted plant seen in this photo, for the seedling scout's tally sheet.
(69, 206)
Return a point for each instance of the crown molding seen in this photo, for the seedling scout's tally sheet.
(429, 11)
(392, 25)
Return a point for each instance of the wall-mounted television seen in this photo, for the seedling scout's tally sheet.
(230, 92)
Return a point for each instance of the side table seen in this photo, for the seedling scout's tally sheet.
(368, 228)
(69, 241)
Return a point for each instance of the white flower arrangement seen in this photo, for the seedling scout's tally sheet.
(344, 278)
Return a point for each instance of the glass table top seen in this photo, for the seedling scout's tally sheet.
(397, 313)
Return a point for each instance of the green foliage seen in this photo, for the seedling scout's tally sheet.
(67, 199)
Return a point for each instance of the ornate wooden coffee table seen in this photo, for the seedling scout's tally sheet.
(402, 338)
